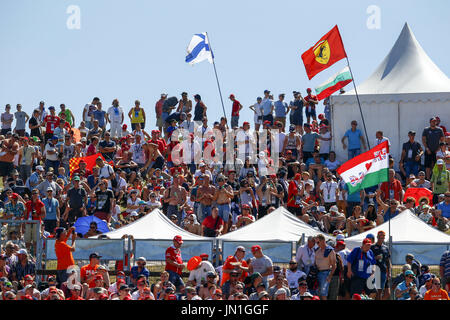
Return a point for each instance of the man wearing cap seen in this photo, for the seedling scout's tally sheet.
(159, 109)
(295, 193)
(311, 102)
(260, 263)
(281, 109)
(267, 107)
(48, 183)
(198, 275)
(139, 269)
(235, 263)
(63, 252)
(431, 136)
(383, 263)
(35, 211)
(411, 154)
(403, 288)
(22, 267)
(52, 216)
(51, 122)
(334, 220)
(440, 180)
(8, 150)
(14, 210)
(236, 107)
(174, 262)
(360, 264)
(88, 272)
(76, 202)
(415, 264)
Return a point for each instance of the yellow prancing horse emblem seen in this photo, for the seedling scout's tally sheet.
(322, 52)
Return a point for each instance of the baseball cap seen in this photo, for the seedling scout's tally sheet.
(371, 237)
(142, 259)
(172, 297)
(40, 168)
(427, 277)
(367, 241)
(276, 269)
(204, 255)
(124, 287)
(341, 242)
(94, 255)
(210, 274)
(28, 277)
(440, 161)
(340, 237)
(256, 248)
(22, 251)
(307, 294)
(262, 294)
(14, 195)
(356, 296)
(241, 248)
(178, 239)
(409, 273)
(246, 123)
(231, 95)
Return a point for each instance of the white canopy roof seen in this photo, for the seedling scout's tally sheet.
(154, 225)
(406, 228)
(406, 69)
(280, 225)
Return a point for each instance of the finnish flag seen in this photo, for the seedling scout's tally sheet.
(199, 49)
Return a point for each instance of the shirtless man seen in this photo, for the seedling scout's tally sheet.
(176, 197)
(155, 159)
(8, 150)
(206, 196)
(223, 195)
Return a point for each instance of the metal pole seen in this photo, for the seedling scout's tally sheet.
(359, 104)
(217, 78)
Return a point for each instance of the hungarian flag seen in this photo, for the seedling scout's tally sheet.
(90, 162)
(326, 52)
(336, 82)
(367, 169)
(419, 194)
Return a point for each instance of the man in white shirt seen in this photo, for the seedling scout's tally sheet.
(115, 116)
(88, 112)
(293, 274)
(380, 139)
(105, 171)
(329, 191)
(305, 255)
(51, 154)
(198, 276)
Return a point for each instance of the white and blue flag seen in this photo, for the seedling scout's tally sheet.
(199, 49)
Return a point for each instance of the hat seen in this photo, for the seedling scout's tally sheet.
(262, 294)
(241, 248)
(211, 274)
(409, 256)
(14, 195)
(204, 255)
(371, 237)
(124, 126)
(367, 241)
(124, 287)
(356, 296)
(141, 259)
(231, 95)
(246, 123)
(341, 242)
(256, 248)
(76, 178)
(334, 209)
(22, 251)
(94, 255)
(321, 209)
(279, 291)
(51, 108)
(266, 122)
(28, 277)
(245, 206)
(427, 277)
(266, 91)
(133, 214)
(440, 161)
(178, 239)
(54, 138)
(307, 294)
(409, 273)
(103, 296)
(255, 275)
(412, 132)
(76, 287)
(340, 237)
(276, 269)
(172, 297)
(193, 263)
(40, 168)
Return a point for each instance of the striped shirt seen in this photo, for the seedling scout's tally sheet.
(445, 263)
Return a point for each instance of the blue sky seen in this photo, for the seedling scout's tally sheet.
(135, 49)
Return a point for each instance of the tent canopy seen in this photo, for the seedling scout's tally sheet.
(154, 225)
(280, 225)
(406, 228)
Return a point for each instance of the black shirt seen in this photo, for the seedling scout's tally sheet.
(384, 250)
(432, 137)
(35, 132)
(107, 144)
(104, 200)
(76, 198)
(415, 150)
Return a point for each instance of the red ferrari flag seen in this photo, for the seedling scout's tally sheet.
(90, 162)
(419, 194)
(326, 52)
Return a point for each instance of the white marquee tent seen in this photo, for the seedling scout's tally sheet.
(409, 235)
(403, 93)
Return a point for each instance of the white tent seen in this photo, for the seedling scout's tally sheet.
(280, 225)
(154, 225)
(409, 234)
(403, 93)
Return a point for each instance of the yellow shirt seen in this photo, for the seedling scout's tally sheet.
(137, 116)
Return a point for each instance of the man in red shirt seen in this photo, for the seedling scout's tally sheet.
(51, 122)
(174, 263)
(35, 212)
(89, 271)
(212, 225)
(235, 263)
(237, 106)
(160, 142)
(294, 203)
(392, 189)
(310, 106)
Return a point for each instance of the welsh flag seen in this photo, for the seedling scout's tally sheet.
(367, 169)
(336, 82)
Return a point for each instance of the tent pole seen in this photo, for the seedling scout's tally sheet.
(359, 104)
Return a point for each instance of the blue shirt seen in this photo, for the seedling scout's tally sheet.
(135, 273)
(445, 209)
(100, 116)
(361, 269)
(309, 141)
(354, 141)
(50, 208)
(280, 109)
(266, 105)
(402, 286)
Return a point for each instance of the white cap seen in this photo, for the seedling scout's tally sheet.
(440, 161)
(340, 237)
(40, 168)
(133, 214)
(334, 209)
(22, 251)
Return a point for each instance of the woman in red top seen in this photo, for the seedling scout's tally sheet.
(295, 194)
(64, 252)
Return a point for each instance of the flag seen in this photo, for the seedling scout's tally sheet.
(90, 162)
(419, 194)
(326, 52)
(336, 82)
(199, 49)
(367, 169)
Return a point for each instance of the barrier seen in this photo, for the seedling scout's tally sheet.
(155, 250)
(278, 251)
(109, 249)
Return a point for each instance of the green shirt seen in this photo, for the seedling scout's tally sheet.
(68, 116)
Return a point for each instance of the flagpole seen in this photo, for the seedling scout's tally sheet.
(359, 103)
(217, 78)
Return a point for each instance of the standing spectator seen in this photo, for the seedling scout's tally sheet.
(199, 109)
(63, 253)
(383, 262)
(88, 112)
(115, 117)
(355, 140)
(174, 262)
(444, 269)
(267, 107)
(411, 154)
(325, 260)
(305, 255)
(7, 118)
(309, 139)
(139, 269)
(100, 116)
(392, 189)
(35, 125)
(51, 122)
(70, 118)
(329, 192)
(36, 212)
(440, 180)
(431, 136)
(14, 210)
(105, 201)
(185, 104)
(158, 111)
(52, 216)
(281, 109)
(296, 108)
(311, 102)
(76, 202)
(52, 152)
(21, 120)
(27, 154)
(137, 115)
(258, 117)
(415, 265)
(107, 147)
(436, 293)
(261, 264)
(236, 107)
(360, 267)
(8, 150)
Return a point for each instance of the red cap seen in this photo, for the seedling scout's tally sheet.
(172, 297)
(119, 281)
(315, 298)
(104, 297)
(308, 90)
(340, 242)
(178, 239)
(298, 176)
(204, 255)
(367, 241)
(124, 126)
(246, 123)
(267, 122)
(231, 95)
(321, 116)
(27, 297)
(14, 196)
(245, 206)
(256, 248)
(356, 297)
(28, 277)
